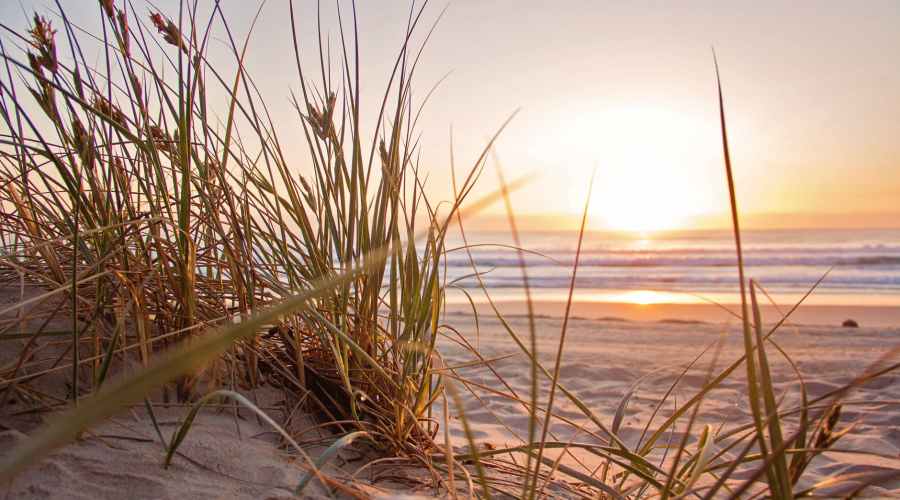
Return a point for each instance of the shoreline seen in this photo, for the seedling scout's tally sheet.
(812, 315)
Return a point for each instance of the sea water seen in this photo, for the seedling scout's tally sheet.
(862, 265)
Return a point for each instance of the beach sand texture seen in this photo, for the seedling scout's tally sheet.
(606, 360)
(603, 361)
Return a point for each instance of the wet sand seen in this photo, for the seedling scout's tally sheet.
(805, 314)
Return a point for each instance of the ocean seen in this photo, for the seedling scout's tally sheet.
(684, 266)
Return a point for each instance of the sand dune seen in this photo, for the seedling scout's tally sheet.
(225, 455)
(124, 461)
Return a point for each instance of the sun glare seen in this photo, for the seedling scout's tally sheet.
(649, 297)
(646, 171)
(641, 219)
(650, 165)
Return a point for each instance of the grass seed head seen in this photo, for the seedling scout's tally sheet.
(43, 39)
(111, 110)
(84, 142)
(107, 6)
(168, 30)
(827, 435)
(125, 33)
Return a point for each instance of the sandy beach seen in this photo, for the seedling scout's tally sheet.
(604, 360)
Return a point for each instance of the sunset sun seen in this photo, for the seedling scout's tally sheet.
(645, 193)
(641, 212)
(648, 174)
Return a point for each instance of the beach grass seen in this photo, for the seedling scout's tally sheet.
(150, 201)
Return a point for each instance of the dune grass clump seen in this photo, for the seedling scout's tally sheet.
(149, 208)
(150, 200)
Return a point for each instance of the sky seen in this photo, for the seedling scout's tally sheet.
(812, 94)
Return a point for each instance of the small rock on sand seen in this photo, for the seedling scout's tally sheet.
(850, 323)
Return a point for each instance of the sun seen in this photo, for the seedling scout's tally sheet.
(648, 175)
(643, 194)
(640, 218)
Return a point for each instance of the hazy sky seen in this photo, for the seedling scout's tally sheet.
(812, 93)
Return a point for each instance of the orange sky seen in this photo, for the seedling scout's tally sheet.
(812, 92)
